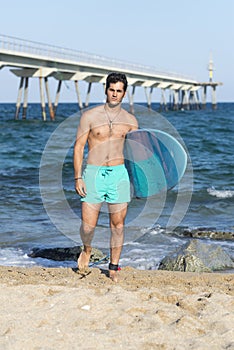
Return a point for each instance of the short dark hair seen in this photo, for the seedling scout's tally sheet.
(114, 78)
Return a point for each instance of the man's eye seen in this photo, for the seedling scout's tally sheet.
(118, 91)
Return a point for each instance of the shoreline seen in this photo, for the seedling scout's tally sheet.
(64, 309)
(17, 275)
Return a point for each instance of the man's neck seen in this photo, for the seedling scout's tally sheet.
(113, 107)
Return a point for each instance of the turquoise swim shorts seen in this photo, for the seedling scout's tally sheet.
(106, 184)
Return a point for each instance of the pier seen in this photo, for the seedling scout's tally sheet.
(28, 60)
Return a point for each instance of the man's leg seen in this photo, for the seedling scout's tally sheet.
(117, 214)
(90, 213)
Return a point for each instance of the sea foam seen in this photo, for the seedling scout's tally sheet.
(220, 193)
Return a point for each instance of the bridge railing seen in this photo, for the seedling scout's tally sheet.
(9, 43)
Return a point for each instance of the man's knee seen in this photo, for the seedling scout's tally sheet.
(86, 229)
(118, 225)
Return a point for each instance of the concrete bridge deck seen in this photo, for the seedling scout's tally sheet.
(29, 59)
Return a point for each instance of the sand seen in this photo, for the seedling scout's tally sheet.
(58, 308)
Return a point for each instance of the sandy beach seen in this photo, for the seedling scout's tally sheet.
(60, 308)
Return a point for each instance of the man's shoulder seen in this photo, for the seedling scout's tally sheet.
(130, 117)
(91, 111)
(95, 108)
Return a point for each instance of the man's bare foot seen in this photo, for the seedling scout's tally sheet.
(83, 261)
(113, 275)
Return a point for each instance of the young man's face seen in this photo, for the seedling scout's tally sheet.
(115, 93)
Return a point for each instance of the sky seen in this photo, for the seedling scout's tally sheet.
(171, 35)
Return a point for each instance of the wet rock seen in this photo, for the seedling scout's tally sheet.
(62, 254)
(196, 256)
(207, 233)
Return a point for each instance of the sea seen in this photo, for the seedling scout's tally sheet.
(40, 209)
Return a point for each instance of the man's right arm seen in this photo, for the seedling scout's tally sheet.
(81, 139)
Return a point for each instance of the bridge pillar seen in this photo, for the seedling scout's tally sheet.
(18, 103)
(151, 93)
(131, 95)
(148, 95)
(51, 110)
(129, 98)
(163, 102)
(214, 103)
(78, 94)
(88, 94)
(57, 96)
(193, 99)
(204, 92)
(43, 109)
(184, 99)
(175, 100)
(25, 104)
(197, 99)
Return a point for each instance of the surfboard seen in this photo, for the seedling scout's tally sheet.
(155, 161)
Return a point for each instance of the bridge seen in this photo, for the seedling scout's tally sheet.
(29, 59)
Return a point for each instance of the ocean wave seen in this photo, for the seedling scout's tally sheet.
(220, 193)
(18, 257)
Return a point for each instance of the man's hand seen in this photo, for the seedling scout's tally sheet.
(80, 187)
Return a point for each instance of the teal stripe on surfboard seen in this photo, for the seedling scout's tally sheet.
(155, 161)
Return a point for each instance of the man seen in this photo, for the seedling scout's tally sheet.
(105, 177)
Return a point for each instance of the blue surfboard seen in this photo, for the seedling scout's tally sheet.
(155, 161)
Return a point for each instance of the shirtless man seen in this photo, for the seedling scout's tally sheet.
(105, 177)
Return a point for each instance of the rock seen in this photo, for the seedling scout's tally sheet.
(62, 254)
(207, 233)
(196, 256)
